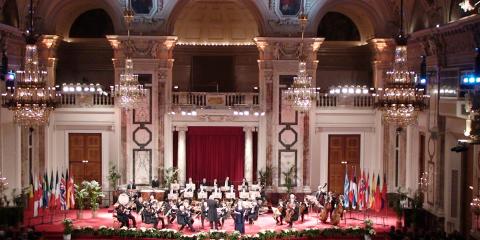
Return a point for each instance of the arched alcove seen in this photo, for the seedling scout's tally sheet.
(338, 27)
(9, 14)
(86, 56)
(226, 21)
(95, 23)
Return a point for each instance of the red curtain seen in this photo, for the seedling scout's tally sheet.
(215, 152)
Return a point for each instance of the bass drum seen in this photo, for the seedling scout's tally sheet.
(123, 199)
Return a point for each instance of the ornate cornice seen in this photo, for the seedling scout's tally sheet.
(146, 47)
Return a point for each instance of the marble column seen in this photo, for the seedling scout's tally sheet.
(248, 168)
(182, 154)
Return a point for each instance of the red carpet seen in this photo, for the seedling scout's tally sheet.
(382, 221)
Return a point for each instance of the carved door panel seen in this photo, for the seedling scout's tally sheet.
(342, 148)
(85, 156)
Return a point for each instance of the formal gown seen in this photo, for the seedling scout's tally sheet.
(240, 220)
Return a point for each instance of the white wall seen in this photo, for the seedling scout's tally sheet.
(86, 120)
(347, 121)
(10, 149)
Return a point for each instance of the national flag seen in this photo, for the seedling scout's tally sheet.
(372, 192)
(346, 188)
(378, 195)
(52, 191)
(384, 192)
(63, 192)
(71, 193)
(38, 195)
(350, 190)
(31, 195)
(361, 191)
(354, 190)
(57, 190)
(367, 191)
(45, 190)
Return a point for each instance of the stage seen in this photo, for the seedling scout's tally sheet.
(382, 222)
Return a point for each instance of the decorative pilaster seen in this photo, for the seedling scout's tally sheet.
(147, 128)
(382, 57)
(48, 45)
(286, 136)
(248, 168)
(182, 154)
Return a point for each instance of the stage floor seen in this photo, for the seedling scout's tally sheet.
(382, 222)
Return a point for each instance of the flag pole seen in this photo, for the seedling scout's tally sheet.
(345, 198)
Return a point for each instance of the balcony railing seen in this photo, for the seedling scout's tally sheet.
(71, 100)
(345, 101)
(215, 100)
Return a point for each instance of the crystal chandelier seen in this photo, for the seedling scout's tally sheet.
(400, 101)
(129, 93)
(31, 99)
(467, 6)
(301, 95)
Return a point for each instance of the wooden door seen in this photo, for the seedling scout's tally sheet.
(342, 148)
(85, 156)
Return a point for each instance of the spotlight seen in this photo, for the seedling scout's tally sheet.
(460, 147)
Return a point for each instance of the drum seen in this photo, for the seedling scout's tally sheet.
(159, 194)
(123, 199)
(146, 194)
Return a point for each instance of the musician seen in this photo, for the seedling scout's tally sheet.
(212, 215)
(215, 189)
(215, 183)
(170, 211)
(244, 184)
(203, 183)
(155, 182)
(150, 213)
(333, 203)
(120, 215)
(184, 218)
(282, 209)
(227, 182)
(252, 214)
(238, 217)
(223, 213)
(303, 209)
(292, 211)
(204, 212)
(128, 212)
(131, 184)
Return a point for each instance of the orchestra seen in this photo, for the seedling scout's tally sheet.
(217, 204)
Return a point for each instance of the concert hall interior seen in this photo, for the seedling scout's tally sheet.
(240, 119)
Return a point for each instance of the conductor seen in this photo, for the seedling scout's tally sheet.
(212, 212)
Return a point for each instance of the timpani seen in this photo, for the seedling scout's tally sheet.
(146, 193)
(159, 194)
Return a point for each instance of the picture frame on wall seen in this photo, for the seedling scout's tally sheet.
(430, 186)
(289, 7)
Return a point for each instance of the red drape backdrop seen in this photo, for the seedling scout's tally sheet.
(215, 152)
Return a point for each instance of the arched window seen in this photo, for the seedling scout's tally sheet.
(95, 23)
(338, 27)
(9, 13)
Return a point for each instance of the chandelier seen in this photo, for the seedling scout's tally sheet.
(31, 99)
(400, 101)
(467, 6)
(129, 93)
(301, 95)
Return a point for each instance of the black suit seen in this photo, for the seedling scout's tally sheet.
(212, 213)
